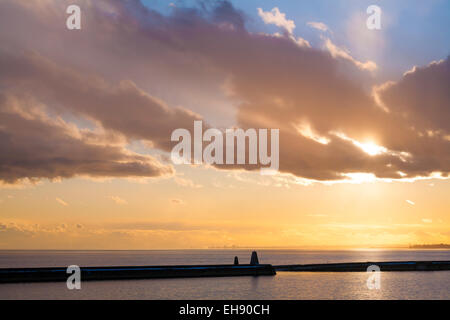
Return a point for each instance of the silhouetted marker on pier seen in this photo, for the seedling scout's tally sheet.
(254, 259)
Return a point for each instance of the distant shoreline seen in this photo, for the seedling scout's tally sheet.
(430, 246)
(417, 247)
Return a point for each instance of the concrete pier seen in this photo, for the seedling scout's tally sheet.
(135, 272)
(362, 266)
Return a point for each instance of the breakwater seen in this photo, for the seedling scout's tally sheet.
(14, 275)
(362, 266)
(134, 272)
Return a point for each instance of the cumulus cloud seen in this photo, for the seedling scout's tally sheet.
(277, 18)
(330, 127)
(318, 25)
(124, 107)
(422, 97)
(339, 52)
(34, 146)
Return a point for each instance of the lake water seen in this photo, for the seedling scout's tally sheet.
(285, 285)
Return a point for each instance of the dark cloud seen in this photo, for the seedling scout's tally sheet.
(123, 107)
(422, 96)
(35, 147)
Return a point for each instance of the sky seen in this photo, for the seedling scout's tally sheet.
(86, 118)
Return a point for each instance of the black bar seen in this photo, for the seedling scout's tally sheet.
(280, 309)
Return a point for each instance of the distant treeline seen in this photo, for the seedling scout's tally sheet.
(430, 246)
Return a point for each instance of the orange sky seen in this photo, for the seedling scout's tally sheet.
(205, 208)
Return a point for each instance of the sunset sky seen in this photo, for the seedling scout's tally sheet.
(86, 118)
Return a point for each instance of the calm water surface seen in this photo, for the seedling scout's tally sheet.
(285, 285)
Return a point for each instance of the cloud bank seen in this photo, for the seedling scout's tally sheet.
(110, 73)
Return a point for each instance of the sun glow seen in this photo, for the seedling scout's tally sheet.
(371, 148)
